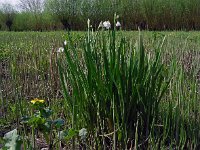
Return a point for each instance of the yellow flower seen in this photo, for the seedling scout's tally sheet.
(37, 100)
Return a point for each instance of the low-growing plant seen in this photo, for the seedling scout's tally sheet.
(41, 126)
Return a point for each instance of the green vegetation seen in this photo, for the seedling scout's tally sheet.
(116, 87)
(103, 91)
(45, 15)
(105, 88)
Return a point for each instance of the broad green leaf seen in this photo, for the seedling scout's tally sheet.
(13, 140)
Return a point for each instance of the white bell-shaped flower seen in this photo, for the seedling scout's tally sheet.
(65, 42)
(106, 24)
(60, 50)
(118, 24)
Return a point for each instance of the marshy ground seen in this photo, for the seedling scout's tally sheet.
(29, 69)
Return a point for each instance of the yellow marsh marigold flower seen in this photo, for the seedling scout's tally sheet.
(37, 100)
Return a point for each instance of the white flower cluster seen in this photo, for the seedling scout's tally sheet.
(107, 24)
(60, 50)
(118, 24)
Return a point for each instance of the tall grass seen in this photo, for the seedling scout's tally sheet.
(116, 89)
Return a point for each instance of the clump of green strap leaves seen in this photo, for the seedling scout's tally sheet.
(112, 87)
